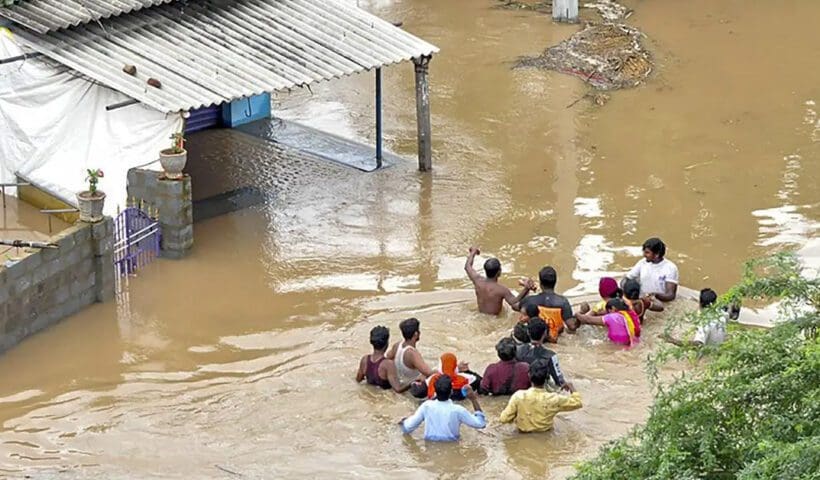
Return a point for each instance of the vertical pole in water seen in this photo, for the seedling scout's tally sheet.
(565, 10)
(423, 113)
(378, 118)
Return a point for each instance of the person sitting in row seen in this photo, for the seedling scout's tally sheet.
(657, 276)
(409, 363)
(534, 350)
(459, 375)
(521, 333)
(712, 333)
(622, 324)
(553, 308)
(534, 409)
(491, 295)
(550, 316)
(377, 369)
(607, 289)
(506, 376)
(442, 418)
(633, 299)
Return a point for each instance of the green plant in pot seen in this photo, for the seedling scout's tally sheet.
(173, 159)
(92, 201)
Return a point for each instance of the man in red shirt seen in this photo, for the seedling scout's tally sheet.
(507, 376)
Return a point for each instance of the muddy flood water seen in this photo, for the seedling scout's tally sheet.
(241, 357)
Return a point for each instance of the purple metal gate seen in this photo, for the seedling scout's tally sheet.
(136, 240)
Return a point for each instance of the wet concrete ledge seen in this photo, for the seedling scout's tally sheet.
(227, 202)
(319, 143)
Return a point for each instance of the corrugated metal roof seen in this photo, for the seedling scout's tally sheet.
(46, 15)
(213, 52)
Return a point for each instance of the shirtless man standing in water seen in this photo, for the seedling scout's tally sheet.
(490, 294)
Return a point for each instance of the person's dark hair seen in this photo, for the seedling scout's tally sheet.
(539, 371)
(537, 328)
(617, 304)
(379, 337)
(492, 268)
(548, 277)
(521, 332)
(707, 297)
(444, 387)
(656, 246)
(418, 389)
(531, 310)
(409, 328)
(632, 289)
(505, 348)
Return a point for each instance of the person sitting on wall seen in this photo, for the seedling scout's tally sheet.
(491, 295)
(712, 333)
(607, 289)
(534, 409)
(376, 368)
(657, 276)
(506, 376)
(410, 365)
(553, 308)
(460, 375)
(530, 352)
(521, 333)
(633, 299)
(622, 324)
(442, 418)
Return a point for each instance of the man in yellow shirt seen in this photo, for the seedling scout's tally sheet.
(534, 409)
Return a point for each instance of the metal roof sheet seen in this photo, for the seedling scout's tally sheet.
(46, 15)
(215, 51)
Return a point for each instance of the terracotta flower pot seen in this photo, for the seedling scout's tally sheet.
(91, 206)
(173, 163)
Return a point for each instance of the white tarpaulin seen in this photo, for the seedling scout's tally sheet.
(54, 126)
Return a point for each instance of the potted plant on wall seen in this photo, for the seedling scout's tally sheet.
(91, 201)
(173, 159)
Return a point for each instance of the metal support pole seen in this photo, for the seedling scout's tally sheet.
(378, 118)
(423, 114)
(19, 57)
(13, 184)
(125, 103)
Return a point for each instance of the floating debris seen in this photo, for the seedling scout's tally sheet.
(542, 7)
(608, 56)
(610, 10)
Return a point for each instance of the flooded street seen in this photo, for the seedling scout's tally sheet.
(242, 356)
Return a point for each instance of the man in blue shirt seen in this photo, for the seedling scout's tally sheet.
(442, 418)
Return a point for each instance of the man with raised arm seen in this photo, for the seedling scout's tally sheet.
(490, 295)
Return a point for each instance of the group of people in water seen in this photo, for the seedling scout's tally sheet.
(527, 370)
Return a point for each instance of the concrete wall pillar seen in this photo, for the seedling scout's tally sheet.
(565, 10)
(423, 113)
(102, 249)
(172, 200)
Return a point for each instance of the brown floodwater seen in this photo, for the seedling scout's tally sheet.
(241, 357)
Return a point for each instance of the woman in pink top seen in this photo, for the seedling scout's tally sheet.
(619, 322)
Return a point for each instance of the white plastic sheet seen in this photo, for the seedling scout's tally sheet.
(54, 126)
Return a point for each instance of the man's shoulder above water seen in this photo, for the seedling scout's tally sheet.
(547, 299)
(528, 352)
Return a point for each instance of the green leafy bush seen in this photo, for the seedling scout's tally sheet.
(751, 412)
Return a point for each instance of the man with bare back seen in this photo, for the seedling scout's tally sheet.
(490, 295)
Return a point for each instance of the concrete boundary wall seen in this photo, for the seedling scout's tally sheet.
(44, 286)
